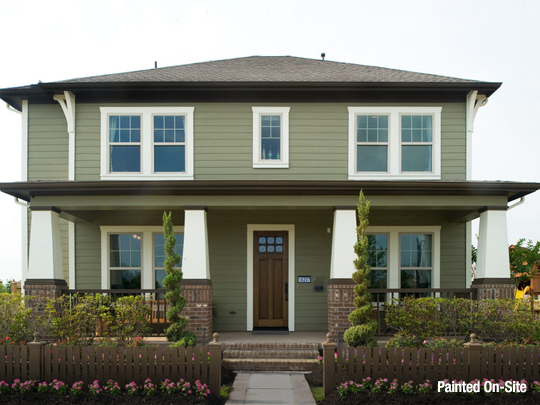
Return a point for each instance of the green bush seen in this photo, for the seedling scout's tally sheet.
(18, 321)
(127, 319)
(188, 338)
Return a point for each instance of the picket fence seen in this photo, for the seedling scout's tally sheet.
(41, 362)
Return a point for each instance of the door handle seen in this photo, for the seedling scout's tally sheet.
(286, 291)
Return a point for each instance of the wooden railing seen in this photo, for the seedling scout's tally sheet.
(381, 297)
(155, 298)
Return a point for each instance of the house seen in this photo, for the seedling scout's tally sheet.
(260, 160)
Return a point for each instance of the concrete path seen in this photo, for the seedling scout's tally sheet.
(270, 389)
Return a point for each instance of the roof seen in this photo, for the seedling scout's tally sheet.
(270, 69)
(254, 76)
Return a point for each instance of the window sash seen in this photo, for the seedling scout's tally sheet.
(131, 273)
(271, 136)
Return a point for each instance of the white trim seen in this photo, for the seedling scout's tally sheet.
(282, 163)
(473, 104)
(468, 254)
(196, 258)
(493, 259)
(394, 143)
(24, 177)
(251, 228)
(393, 233)
(46, 259)
(71, 254)
(147, 169)
(344, 237)
(67, 102)
(147, 251)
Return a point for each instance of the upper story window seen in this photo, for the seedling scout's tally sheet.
(394, 143)
(271, 137)
(147, 142)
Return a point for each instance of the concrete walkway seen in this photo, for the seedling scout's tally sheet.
(270, 388)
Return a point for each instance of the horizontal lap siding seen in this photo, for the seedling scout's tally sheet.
(228, 264)
(223, 145)
(88, 256)
(453, 256)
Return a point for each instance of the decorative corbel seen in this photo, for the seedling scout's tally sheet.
(67, 102)
(474, 102)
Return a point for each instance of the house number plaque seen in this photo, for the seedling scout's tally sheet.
(304, 279)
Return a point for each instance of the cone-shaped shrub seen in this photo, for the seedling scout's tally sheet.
(363, 327)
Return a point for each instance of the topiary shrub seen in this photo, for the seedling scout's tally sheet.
(363, 327)
(176, 331)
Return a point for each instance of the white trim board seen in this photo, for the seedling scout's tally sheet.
(251, 228)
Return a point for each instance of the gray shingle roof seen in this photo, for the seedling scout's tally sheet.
(268, 69)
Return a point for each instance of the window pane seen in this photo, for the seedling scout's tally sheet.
(125, 279)
(158, 121)
(169, 128)
(169, 159)
(125, 158)
(125, 250)
(377, 250)
(160, 275)
(416, 278)
(405, 121)
(377, 279)
(270, 149)
(159, 246)
(371, 158)
(416, 250)
(416, 158)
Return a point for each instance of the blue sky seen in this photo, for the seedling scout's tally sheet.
(489, 40)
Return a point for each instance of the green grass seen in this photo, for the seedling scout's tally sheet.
(318, 393)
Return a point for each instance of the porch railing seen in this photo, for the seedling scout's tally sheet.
(155, 298)
(381, 297)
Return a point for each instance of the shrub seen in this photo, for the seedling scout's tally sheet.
(127, 319)
(18, 321)
(188, 339)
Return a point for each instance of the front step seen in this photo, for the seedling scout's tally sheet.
(270, 356)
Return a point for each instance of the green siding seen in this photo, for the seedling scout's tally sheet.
(453, 260)
(87, 256)
(224, 136)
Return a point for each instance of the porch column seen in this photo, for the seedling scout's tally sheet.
(45, 278)
(196, 284)
(493, 280)
(340, 285)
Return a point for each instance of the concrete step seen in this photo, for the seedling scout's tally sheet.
(270, 353)
(274, 364)
(271, 346)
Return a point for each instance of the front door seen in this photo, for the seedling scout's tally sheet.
(270, 278)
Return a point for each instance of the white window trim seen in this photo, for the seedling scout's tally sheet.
(251, 228)
(394, 143)
(393, 255)
(283, 163)
(147, 252)
(147, 143)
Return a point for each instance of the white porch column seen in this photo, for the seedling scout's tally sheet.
(195, 260)
(343, 240)
(45, 261)
(493, 261)
(493, 279)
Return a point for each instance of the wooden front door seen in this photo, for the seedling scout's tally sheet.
(270, 278)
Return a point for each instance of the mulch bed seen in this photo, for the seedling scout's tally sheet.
(50, 398)
(315, 379)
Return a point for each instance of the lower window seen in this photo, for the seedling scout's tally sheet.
(125, 261)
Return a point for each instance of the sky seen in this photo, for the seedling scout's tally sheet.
(489, 40)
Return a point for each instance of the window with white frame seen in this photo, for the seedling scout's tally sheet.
(404, 257)
(271, 137)
(394, 142)
(147, 142)
(132, 257)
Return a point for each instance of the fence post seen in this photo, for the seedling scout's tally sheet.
(473, 357)
(215, 366)
(35, 358)
(329, 373)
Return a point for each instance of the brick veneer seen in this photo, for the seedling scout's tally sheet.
(493, 289)
(43, 290)
(340, 305)
(198, 310)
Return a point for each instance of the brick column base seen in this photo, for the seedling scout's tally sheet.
(42, 290)
(198, 310)
(494, 288)
(340, 305)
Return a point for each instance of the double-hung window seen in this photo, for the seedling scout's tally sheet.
(271, 137)
(132, 257)
(394, 143)
(147, 143)
(378, 261)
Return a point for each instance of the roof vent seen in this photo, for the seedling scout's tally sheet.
(155, 64)
(323, 55)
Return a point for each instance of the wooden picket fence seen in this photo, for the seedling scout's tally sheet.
(404, 364)
(40, 362)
